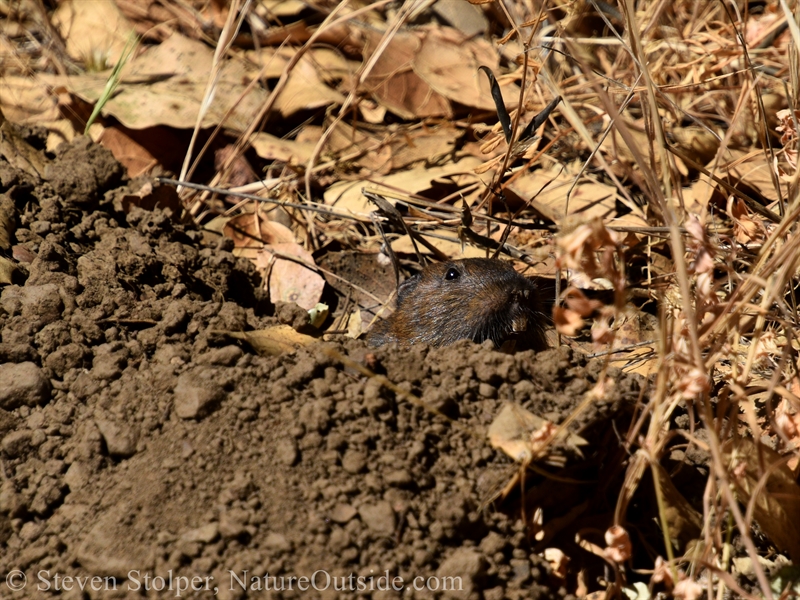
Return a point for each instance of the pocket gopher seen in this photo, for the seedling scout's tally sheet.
(476, 299)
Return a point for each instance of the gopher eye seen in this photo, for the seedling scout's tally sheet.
(452, 273)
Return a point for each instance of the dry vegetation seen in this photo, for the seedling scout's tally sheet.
(661, 195)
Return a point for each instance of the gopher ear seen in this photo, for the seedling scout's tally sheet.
(405, 288)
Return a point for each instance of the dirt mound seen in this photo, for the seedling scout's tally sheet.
(143, 450)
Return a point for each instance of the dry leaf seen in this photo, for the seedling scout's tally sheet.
(393, 82)
(777, 504)
(577, 301)
(567, 322)
(449, 63)
(133, 156)
(274, 341)
(290, 281)
(546, 192)
(166, 85)
(291, 152)
(347, 194)
(354, 325)
(305, 90)
(453, 250)
(522, 435)
(7, 269)
(94, 32)
(27, 100)
(8, 221)
(618, 544)
(254, 230)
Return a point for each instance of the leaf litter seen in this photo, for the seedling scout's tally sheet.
(658, 202)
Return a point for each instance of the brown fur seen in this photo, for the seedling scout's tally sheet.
(475, 298)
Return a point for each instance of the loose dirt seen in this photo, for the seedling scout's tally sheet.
(140, 444)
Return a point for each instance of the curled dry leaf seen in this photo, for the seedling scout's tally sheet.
(693, 383)
(688, 589)
(559, 561)
(579, 247)
(567, 322)
(787, 421)
(618, 544)
(746, 228)
(662, 573)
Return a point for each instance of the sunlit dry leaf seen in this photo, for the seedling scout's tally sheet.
(469, 20)
(588, 199)
(618, 544)
(8, 221)
(305, 90)
(393, 82)
(354, 325)
(559, 562)
(522, 435)
(448, 61)
(281, 8)
(254, 230)
(166, 85)
(567, 322)
(347, 194)
(27, 100)
(688, 589)
(291, 152)
(752, 169)
(93, 32)
(291, 281)
(274, 341)
(454, 250)
(7, 269)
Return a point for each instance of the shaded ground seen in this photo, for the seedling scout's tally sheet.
(137, 444)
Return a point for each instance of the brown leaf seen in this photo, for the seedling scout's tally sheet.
(567, 322)
(776, 503)
(577, 301)
(133, 156)
(166, 85)
(274, 341)
(522, 435)
(393, 82)
(254, 230)
(449, 63)
(291, 281)
(94, 32)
